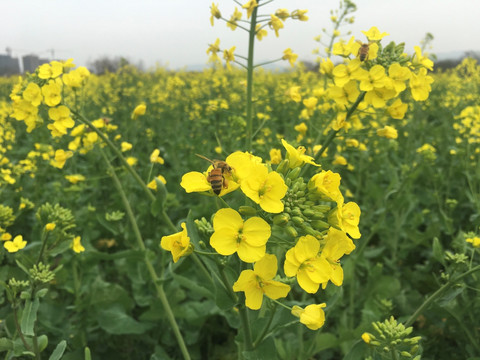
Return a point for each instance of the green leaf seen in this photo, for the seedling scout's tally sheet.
(59, 350)
(438, 253)
(101, 219)
(21, 266)
(6, 344)
(158, 205)
(357, 352)
(42, 342)
(29, 316)
(193, 285)
(116, 321)
(450, 295)
(88, 355)
(325, 341)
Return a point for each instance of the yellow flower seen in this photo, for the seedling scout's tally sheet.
(132, 161)
(312, 316)
(178, 244)
(215, 13)
(301, 128)
(304, 262)
(125, 146)
(366, 337)
(399, 74)
(232, 235)
(52, 93)
(260, 33)
(423, 60)
(50, 227)
(374, 34)
(139, 110)
(300, 15)
(61, 157)
(297, 156)
(156, 158)
(398, 109)
(50, 71)
(16, 244)
(75, 178)
(153, 184)
(229, 56)
(257, 282)
(275, 23)
(282, 14)
(326, 184)
(346, 217)
(475, 241)
(242, 164)
(6, 236)
(420, 85)
(264, 188)
(214, 49)
(291, 57)
(294, 93)
(77, 77)
(62, 120)
(33, 94)
(24, 110)
(232, 23)
(275, 156)
(250, 5)
(388, 132)
(77, 245)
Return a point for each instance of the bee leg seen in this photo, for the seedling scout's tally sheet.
(225, 183)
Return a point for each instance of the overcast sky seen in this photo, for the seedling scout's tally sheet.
(176, 33)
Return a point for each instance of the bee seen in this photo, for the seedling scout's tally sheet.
(216, 177)
(363, 51)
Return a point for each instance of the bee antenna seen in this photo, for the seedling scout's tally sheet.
(204, 158)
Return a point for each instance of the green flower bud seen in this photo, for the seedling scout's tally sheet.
(300, 194)
(294, 173)
(310, 231)
(247, 211)
(308, 213)
(297, 220)
(320, 225)
(281, 219)
(290, 230)
(296, 211)
(288, 182)
(405, 354)
(283, 167)
(287, 209)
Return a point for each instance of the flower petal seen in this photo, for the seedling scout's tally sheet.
(256, 231)
(195, 181)
(275, 289)
(224, 241)
(266, 268)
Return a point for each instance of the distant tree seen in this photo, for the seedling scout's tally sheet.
(107, 64)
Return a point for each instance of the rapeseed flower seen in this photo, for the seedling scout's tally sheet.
(326, 184)
(388, 132)
(77, 245)
(265, 188)
(374, 34)
(258, 282)
(215, 13)
(52, 93)
(50, 71)
(61, 157)
(290, 56)
(232, 235)
(250, 5)
(178, 244)
(139, 110)
(475, 241)
(232, 23)
(312, 316)
(346, 217)
(61, 120)
(153, 184)
(305, 262)
(156, 158)
(297, 156)
(14, 245)
(275, 23)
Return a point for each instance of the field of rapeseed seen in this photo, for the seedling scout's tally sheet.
(338, 218)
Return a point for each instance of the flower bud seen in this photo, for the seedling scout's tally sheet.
(247, 211)
(290, 230)
(281, 219)
(297, 220)
(283, 167)
(294, 173)
(308, 213)
(296, 211)
(320, 225)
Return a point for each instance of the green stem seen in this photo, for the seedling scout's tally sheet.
(437, 294)
(202, 267)
(19, 329)
(44, 243)
(155, 279)
(249, 110)
(117, 152)
(267, 327)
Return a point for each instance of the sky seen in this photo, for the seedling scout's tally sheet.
(176, 33)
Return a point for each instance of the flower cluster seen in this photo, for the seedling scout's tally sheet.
(306, 224)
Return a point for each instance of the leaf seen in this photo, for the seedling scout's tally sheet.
(193, 285)
(116, 321)
(106, 224)
(264, 351)
(29, 316)
(357, 352)
(158, 205)
(88, 355)
(438, 253)
(59, 350)
(6, 344)
(324, 341)
(449, 296)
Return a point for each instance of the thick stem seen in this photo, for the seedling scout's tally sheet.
(250, 67)
(158, 286)
(19, 329)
